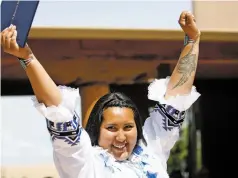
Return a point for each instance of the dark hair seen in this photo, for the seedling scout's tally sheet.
(114, 99)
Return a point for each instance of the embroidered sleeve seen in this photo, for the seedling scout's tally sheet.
(161, 129)
(171, 117)
(71, 144)
(69, 131)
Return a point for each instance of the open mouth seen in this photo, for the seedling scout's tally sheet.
(119, 146)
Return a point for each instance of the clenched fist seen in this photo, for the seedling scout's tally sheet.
(188, 24)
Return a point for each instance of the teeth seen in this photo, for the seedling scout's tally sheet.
(119, 146)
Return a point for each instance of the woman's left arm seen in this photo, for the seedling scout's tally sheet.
(174, 95)
(181, 80)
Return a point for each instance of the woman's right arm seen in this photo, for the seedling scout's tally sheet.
(43, 86)
(73, 155)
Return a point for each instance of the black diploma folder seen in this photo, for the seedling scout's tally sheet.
(20, 14)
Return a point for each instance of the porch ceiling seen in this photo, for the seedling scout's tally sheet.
(119, 60)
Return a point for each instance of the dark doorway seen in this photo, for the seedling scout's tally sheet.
(218, 108)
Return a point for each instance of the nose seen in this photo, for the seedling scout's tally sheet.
(121, 137)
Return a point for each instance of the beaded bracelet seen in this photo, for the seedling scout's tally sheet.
(187, 40)
(25, 62)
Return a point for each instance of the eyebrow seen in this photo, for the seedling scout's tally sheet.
(112, 124)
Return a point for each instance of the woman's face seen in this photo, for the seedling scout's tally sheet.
(118, 132)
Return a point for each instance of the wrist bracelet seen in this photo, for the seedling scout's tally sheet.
(187, 40)
(25, 62)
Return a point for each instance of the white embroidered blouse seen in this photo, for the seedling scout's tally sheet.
(74, 156)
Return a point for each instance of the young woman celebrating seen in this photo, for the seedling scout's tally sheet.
(114, 143)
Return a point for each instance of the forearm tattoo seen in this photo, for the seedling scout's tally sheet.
(186, 65)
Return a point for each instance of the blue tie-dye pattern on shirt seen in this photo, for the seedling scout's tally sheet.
(138, 162)
(151, 175)
(138, 152)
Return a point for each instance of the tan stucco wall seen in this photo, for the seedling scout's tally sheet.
(216, 15)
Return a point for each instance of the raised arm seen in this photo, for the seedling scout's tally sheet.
(174, 95)
(43, 86)
(181, 80)
(72, 150)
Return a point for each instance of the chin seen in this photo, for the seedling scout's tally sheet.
(124, 156)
